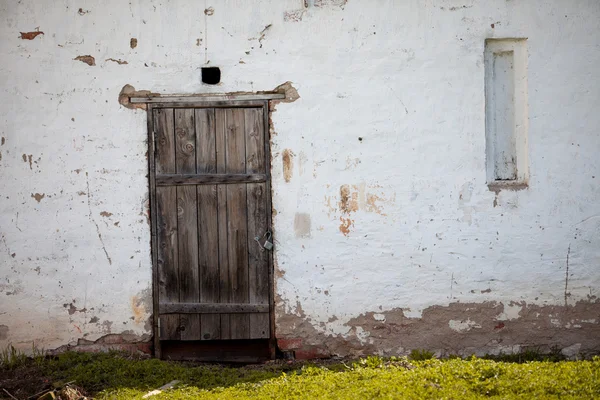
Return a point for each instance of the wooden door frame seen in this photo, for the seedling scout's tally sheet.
(225, 101)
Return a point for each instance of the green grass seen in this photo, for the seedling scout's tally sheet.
(456, 379)
(11, 358)
(529, 355)
(97, 372)
(420, 355)
(114, 376)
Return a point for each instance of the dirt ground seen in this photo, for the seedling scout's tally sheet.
(23, 382)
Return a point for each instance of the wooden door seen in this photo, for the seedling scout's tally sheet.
(211, 197)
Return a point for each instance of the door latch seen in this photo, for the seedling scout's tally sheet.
(267, 244)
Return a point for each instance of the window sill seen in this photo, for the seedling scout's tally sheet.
(497, 186)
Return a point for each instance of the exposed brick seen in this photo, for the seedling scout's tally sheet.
(285, 344)
(309, 353)
(120, 342)
(110, 339)
(145, 347)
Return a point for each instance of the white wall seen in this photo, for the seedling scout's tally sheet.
(405, 76)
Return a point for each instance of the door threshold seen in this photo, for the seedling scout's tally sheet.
(243, 351)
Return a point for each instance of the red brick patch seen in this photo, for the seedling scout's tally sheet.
(286, 344)
(309, 353)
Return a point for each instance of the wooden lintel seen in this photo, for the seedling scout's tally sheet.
(208, 179)
(204, 98)
(211, 308)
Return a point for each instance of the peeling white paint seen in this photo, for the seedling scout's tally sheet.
(379, 317)
(362, 335)
(511, 312)
(442, 240)
(572, 352)
(556, 322)
(413, 313)
(463, 326)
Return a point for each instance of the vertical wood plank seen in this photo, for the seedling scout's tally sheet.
(208, 228)
(187, 217)
(165, 141)
(237, 236)
(267, 140)
(189, 284)
(237, 229)
(166, 220)
(167, 257)
(153, 218)
(185, 141)
(220, 144)
(258, 262)
(255, 141)
(206, 153)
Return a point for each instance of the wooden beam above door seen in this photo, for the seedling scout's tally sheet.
(208, 97)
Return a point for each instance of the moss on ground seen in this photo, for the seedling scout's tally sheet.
(115, 376)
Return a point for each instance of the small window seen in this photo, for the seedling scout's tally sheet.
(506, 112)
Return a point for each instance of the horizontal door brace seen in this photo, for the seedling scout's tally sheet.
(207, 179)
(211, 308)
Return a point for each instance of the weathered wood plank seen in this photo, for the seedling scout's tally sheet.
(259, 325)
(165, 141)
(254, 137)
(206, 154)
(207, 179)
(187, 221)
(166, 203)
(208, 228)
(189, 282)
(212, 308)
(208, 258)
(272, 340)
(211, 104)
(167, 259)
(235, 144)
(185, 141)
(154, 238)
(258, 262)
(237, 228)
(220, 144)
(207, 98)
(237, 236)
